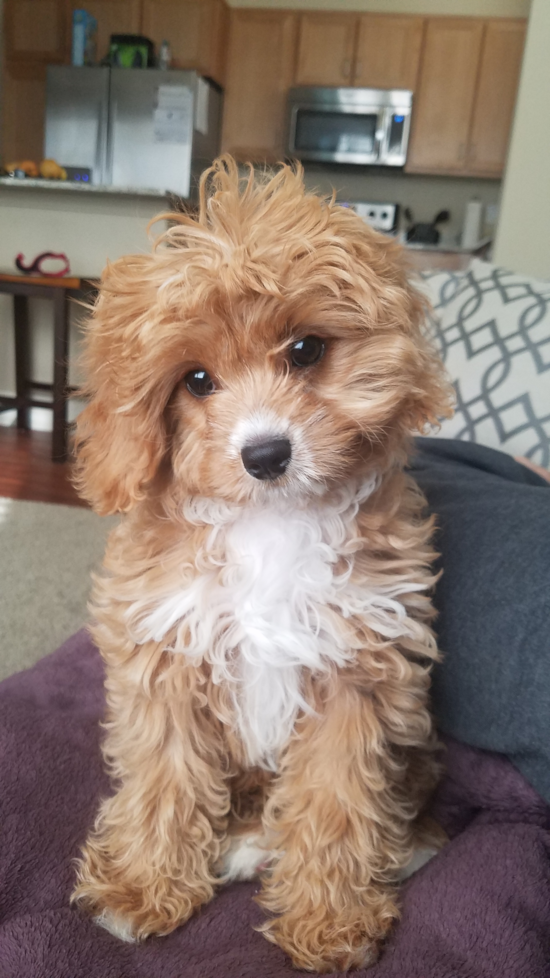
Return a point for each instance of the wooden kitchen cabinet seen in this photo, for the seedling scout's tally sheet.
(260, 65)
(35, 30)
(195, 29)
(388, 51)
(496, 97)
(35, 35)
(442, 108)
(466, 95)
(24, 108)
(326, 49)
(367, 51)
(113, 17)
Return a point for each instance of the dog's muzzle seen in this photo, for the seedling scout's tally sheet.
(267, 459)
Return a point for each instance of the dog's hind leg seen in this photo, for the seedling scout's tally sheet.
(150, 861)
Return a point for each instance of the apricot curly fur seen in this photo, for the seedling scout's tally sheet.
(338, 776)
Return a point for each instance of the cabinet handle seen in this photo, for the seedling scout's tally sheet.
(346, 67)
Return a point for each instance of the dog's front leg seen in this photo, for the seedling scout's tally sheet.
(340, 829)
(149, 862)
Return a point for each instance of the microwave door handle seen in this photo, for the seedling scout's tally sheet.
(378, 143)
(384, 122)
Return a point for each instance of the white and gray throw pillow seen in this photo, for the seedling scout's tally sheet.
(492, 328)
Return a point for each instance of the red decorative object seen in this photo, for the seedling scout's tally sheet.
(35, 267)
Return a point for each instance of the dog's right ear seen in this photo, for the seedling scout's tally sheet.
(120, 436)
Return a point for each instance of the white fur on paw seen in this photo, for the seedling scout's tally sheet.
(116, 925)
(420, 858)
(245, 857)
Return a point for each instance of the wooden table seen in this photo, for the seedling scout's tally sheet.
(58, 290)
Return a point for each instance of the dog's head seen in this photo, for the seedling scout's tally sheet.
(272, 345)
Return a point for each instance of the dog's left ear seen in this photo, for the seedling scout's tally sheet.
(120, 435)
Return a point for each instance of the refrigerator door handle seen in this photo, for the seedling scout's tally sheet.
(101, 140)
(109, 148)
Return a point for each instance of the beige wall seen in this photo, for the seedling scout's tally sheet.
(89, 227)
(523, 237)
(465, 8)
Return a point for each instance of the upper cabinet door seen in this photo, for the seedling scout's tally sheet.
(326, 49)
(113, 17)
(24, 94)
(35, 30)
(442, 109)
(496, 96)
(195, 29)
(260, 63)
(388, 51)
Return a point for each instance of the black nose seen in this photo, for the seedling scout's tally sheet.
(268, 459)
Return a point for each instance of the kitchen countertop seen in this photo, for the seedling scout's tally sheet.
(71, 186)
(451, 248)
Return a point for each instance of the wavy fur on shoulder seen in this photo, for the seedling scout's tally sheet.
(266, 636)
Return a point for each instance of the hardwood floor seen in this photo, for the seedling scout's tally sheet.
(27, 471)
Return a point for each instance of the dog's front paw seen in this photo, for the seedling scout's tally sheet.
(335, 944)
(134, 915)
(321, 958)
(133, 907)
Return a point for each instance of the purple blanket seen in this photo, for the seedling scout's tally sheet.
(480, 909)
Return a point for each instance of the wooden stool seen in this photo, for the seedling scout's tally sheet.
(57, 289)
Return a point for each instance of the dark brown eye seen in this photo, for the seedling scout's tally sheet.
(199, 383)
(306, 352)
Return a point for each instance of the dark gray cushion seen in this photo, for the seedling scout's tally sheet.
(493, 688)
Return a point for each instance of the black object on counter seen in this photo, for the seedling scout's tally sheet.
(425, 233)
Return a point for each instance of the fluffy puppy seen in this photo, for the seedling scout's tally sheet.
(263, 612)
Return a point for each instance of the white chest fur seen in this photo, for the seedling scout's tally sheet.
(267, 610)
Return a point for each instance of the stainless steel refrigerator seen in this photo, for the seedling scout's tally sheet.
(132, 128)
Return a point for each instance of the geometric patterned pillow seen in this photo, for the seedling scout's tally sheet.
(492, 328)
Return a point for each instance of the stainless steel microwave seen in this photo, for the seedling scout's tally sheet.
(349, 125)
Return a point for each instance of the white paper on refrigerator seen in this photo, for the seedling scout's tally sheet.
(173, 114)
